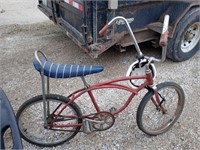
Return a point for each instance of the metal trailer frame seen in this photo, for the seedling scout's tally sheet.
(82, 20)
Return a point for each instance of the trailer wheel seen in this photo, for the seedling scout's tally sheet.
(186, 40)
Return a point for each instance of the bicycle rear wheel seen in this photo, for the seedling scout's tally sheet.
(151, 119)
(30, 118)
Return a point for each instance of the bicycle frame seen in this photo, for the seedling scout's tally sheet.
(107, 84)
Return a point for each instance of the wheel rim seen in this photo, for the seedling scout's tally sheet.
(191, 37)
(157, 123)
(37, 133)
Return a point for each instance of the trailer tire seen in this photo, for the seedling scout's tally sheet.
(186, 40)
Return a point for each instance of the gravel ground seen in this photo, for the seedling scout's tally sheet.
(21, 82)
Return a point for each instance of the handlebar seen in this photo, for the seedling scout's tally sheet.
(103, 30)
(163, 39)
(165, 33)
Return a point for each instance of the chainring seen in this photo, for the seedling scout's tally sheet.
(103, 121)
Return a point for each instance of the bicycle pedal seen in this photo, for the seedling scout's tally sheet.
(87, 126)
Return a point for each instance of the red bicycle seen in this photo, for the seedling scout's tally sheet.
(50, 120)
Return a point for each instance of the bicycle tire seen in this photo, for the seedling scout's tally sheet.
(145, 120)
(31, 123)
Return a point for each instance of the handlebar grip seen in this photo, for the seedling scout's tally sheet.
(103, 30)
(164, 39)
(165, 33)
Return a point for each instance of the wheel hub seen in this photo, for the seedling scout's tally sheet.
(191, 37)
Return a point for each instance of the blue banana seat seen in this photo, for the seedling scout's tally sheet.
(54, 70)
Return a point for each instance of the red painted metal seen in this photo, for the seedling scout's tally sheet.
(150, 78)
(107, 84)
(94, 101)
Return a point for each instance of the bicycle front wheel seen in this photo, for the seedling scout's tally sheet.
(30, 118)
(151, 119)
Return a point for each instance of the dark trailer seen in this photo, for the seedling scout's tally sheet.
(81, 20)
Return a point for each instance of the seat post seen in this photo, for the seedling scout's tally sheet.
(45, 90)
(84, 82)
(45, 86)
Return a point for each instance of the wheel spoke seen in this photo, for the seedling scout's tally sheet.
(31, 121)
(153, 121)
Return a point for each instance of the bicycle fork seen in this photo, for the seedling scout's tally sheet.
(158, 101)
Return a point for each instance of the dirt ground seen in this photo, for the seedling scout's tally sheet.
(20, 82)
(20, 12)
